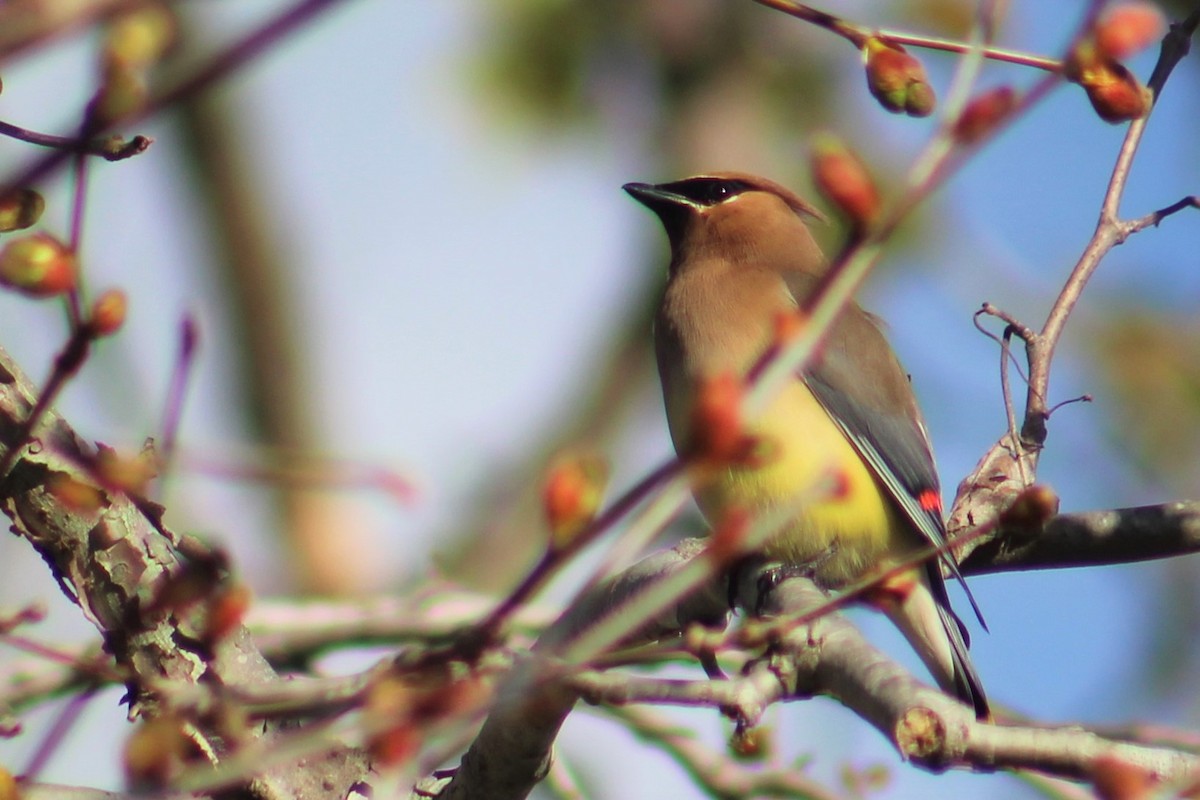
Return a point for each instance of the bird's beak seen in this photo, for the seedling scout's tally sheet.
(656, 198)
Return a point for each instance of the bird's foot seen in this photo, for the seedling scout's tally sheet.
(776, 574)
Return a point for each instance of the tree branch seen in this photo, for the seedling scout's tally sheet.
(826, 656)
(1011, 464)
(114, 561)
(1095, 538)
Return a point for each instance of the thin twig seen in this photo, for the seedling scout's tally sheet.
(215, 70)
(1110, 231)
(58, 732)
(110, 148)
(173, 407)
(857, 35)
(66, 364)
(715, 771)
(551, 561)
(1155, 217)
(991, 53)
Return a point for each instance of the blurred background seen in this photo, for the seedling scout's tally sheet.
(402, 236)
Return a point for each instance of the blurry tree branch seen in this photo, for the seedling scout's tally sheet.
(114, 563)
(712, 768)
(208, 74)
(26, 25)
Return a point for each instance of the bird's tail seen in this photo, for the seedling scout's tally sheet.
(924, 616)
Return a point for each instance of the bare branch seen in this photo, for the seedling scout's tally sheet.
(1155, 217)
(1096, 538)
(1011, 464)
(1110, 231)
(926, 726)
(825, 656)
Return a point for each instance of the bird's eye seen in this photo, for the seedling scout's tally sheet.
(708, 191)
(717, 191)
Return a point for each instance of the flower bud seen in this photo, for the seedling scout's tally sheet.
(1128, 28)
(196, 581)
(76, 495)
(226, 610)
(9, 788)
(20, 209)
(750, 743)
(1115, 779)
(844, 181)
(983, 113)
(139, 38)
(727, 542)
(125, 473)
(123, 94)
(154, 753)
(1115, 94)
(390, 713)
(716, 431)
(897, 79)
(787, 326)
(108, 313)
(571, 495)
(37, 265)
(1031, 509)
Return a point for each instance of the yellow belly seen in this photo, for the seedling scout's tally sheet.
(844, 522)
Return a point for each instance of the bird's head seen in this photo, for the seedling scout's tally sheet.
(731, 215)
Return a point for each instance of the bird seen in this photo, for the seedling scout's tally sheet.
(742, 255)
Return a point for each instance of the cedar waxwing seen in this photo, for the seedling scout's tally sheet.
(741, 255)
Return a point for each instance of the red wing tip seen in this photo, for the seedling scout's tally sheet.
(930, 500)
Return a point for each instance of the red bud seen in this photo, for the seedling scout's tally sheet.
(897, 79)
(844, 181)
(1116, 95)
(76, 495)
(108, 313)
(1114, 779)
(716, 431)
(154, 753)
(125, 473)
(226, 611)
(984, 113)
(727, 542)
(572, 494)
(194, 582)
(37, 265)
(1129, 28)
(1031, 509)
(750, 744)
(20, 209)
